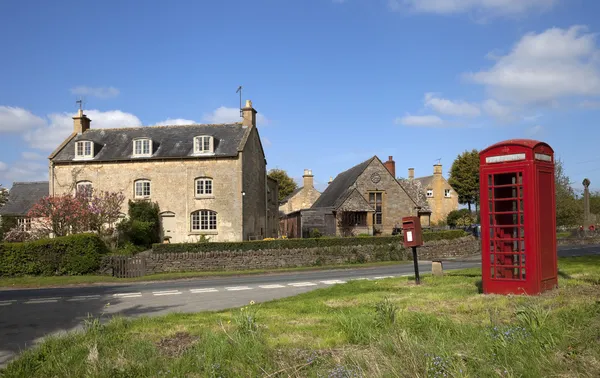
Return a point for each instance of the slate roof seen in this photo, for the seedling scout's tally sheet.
(416, 191)
(22, 196)
(340, 185)
(167, 142)
(347, 194)
(425, 181)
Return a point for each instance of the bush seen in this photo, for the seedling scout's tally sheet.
(460, 218)
(298, 243)
(7, 223)
(67, 255)
(143, 226)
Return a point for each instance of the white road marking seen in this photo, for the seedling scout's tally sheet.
(198, 291)
(238, 288)
(301, 284)
(359, 279)
(333, 282)
(166, 292)
(42, 300)
(127, 295)
(382, 277)
(7, 303)
(271, 286)
(83, 298)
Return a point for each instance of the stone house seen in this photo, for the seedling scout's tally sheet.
(21, 198)
(207, 179)
(442, 199)
(365, 199)
(301, 198)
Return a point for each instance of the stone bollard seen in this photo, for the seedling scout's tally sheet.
(437, 268)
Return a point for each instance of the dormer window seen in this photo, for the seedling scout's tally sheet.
(142, 147)
(203, 144)
(84, 149)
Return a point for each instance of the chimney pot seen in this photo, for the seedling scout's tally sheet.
(411, 173)
(81, 123)
(437, 169)
(249, 115)
(390, 165)
(308, 178)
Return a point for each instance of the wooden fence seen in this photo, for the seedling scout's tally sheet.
(128, 267)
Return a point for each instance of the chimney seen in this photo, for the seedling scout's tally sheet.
(249, 115)
(437, 169)
(81, 122)
(308, 178)
(411, 173)
(391, 166)
(330, 180)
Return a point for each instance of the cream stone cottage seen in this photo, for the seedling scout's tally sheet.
(207, 179)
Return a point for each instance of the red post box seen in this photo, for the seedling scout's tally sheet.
(411, 230)
(518, 218)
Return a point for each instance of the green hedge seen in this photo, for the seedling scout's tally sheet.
(298, 243)
(68, 255)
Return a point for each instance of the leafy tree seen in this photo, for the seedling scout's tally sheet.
(569, 210)
(464, 177)
(143, 226)
(286, 184)
(3, 195)
(460, 218)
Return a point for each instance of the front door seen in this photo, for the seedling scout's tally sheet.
(167, 221)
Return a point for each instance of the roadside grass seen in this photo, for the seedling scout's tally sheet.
(54, 281)
(384, 328)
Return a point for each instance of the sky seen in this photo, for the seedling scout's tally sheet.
(334, 81)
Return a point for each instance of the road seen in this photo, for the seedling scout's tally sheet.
(29, 314)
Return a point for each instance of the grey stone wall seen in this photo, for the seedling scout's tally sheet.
(284, 258)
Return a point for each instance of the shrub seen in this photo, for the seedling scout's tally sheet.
(143, 226)
(257, 245)
(7, 223)
(67, 255)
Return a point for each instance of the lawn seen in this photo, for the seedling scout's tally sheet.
(385, 328)
(60, 281)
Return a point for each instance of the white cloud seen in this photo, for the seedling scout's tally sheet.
(2, 166)
(175, 121)
(482, 7)
(589, 104)
(544, 67)
(100, 92)
(448, 107)
(535, 130)
(230, 115)
(28, 155)
(49, 136)
(24, 171)
(497, 110)
(14, 119)
(422, 121)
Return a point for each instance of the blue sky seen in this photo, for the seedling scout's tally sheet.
(334, 81)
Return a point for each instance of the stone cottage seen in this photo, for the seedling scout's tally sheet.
(21, 198)
(365, 199)
(442, 199)
(301, 198)
(207, 179)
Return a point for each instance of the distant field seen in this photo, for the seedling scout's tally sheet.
(386, 328)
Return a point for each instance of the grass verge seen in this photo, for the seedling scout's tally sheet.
(60, 281)
(386, 328)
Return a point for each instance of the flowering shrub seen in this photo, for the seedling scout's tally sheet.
(15, 235)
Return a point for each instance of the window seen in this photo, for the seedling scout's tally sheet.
(375, 199)
(447, 193)
(142, 189)
(429, 193)
(85, 188)
(84, 150)
(142, 147)
(24, 224)
(204, 186)
(204, 220)
(203, 144)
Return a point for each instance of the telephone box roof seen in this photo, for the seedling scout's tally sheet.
(527, 143)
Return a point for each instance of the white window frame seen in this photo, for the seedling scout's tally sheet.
(204, 144)
(429, 193)
(204, 187)
(447, 193)
(141, 193)
(203, 221)
(85, 145)
(82, 184)
(142, 151)
(24, 224)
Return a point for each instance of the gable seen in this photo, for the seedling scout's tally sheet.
(352, 200)
(340, 185)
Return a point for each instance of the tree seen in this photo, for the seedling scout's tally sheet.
(286, 184)
(3, 195)
(569, 210)
(460, 218)
(464, 177)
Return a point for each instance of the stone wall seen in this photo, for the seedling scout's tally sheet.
(579, 241)
(254, 185)
(284, 258)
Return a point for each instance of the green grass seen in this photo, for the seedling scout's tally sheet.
(54, 281)
(562, 235)
(385, 328)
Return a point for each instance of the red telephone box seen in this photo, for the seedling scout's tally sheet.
(518, 218)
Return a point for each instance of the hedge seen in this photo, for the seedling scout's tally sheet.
(298, 243)
(68, 255)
